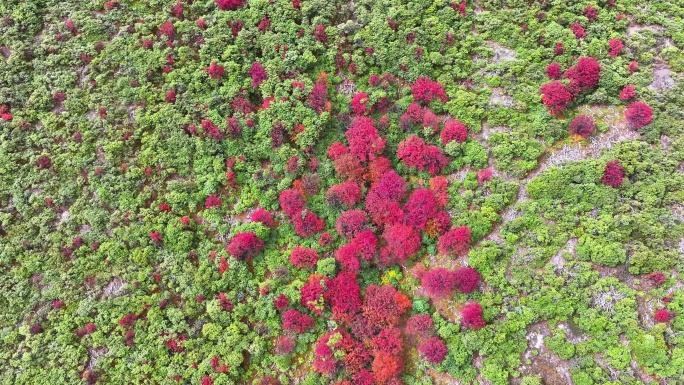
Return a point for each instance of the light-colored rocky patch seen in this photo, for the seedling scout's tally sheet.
(557, 260)
(114, 288)
(500, 98)
(94, 354)
(662, 78)
(501, 53)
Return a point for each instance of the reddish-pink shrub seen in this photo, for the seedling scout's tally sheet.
(312, 294)
(590, 12)
(616, 46)
(346, 194)
(434, 350)
(401, 243)
(350, 223)
(555, 97)
(292, 202)
(420, 326)
(212, 201)
(386, 366)
(360, 104)
(284, 345)
(319, 33)
(438, 282)
(155, 236)
(263, 26)
(430, 119)
(390, 186)
(559, 49)
(638, 114)
(466, 279)
(347, 256)
(484, 175)
(374, 80)
(656, 278)
(5, 113)
(245, 245)
(336, 150)
(415, 153)
(318, 98)
(364, 140)
(424, 90)
(453, 131)
(613, 174)
(628, 92)
(553, 71)
(367, 243)
(578, 30)
(584, 75)
(307, 224)
(281, 302)
(471, 316)
(229, 5)
(211, 130)
(233, 127)
(383, 305)
(224, 302)
(258, 74)
(166, 29)
(583, 126)
(297, 322)
(214, 70)
(388, 341)
(632, 67)
(349, 167)
(662, 315)
(302, 257)
(262, 216)
(455, 241)
(170, 96)
(363, 377)
(420, 207)
(343, 293)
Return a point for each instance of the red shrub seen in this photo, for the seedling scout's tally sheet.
(348, 167)
(307, 224)
(662, 315)
(212, 201)
(360, 104)
(258, 74)
(302, 257)
(128, 320)
(484, 175)
(466, 279)
(415, 153)
(585, 74)
(281, 302)
(613, 174)
(616, 46)
(350, 223)
(471, 316)
(215, 70)
(555, 97)
(363, 377)
(166, 29)
(292, 202)
(170, 96)
(229, 5)
(367, 243)
(559, 49)
(430, 119)
(391, 186)
(374, 80)
(312, 294)
(434, 350)
(346, 194)
(627, 93)
(263, 26)
(438, 225)
(383, 212)
(262, 216)
(347, 256)
(284, 345)
(420, 207)
(438, 282)
(656, 278)
(453, 130)
(245, 245)
(319, 33)
(388, 341)
(414, 112)
(583, 126)
(296, 321)
(234, 128)
(383, 305)
(401, 243)
(336, 150)
(455, 241)
(420, 326)
(590, 12)
(224, 302)
(578, 30)
(638, 115)
(424, 90)
(386, 366)
(155, 236)
(318, 98)
(553, 71)
(211, 130)
(363, 138)
(343, 293)
(632, 67)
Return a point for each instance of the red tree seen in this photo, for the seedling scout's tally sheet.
(583, 126)
(302, 257)
(553, 71)
(430, 119)
(215, 70)
(318, 98)
(484, 175)
(346, 194)
(590, 12)
(420, 207)
(360, 104)
(638, 115)
(434, 350)
(245, 245)
(388, 341)
(349, 167)
(347, 256)
(307, 224)
(211, 130)
(336, 150)
(350, 223)
(578, 30)
(453, 130)
(415, 153)
(292, 202)
(367, 243)
(284, 345)
(384, 305)
(424, 90)
(584, 75)
(471, 316)
(628, 92)
(420, 326)
(466, 279)
(312, 294)
(258, 74)
(229, 5)
(401, 243)
(616, 46)
(555, 97)
(262, 216)
(455, 241)
(281, 302)
(363, 138)
(319, 33)
(386, 366)
(343, 293)
(613, 174)
(662, 315)
(296, 321)
(438, 282)
(390, 186)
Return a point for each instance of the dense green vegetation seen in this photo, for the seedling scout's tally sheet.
(267, 191)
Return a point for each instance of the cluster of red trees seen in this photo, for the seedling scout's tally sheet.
(306, 222)
(440, 282)
(584, 76)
